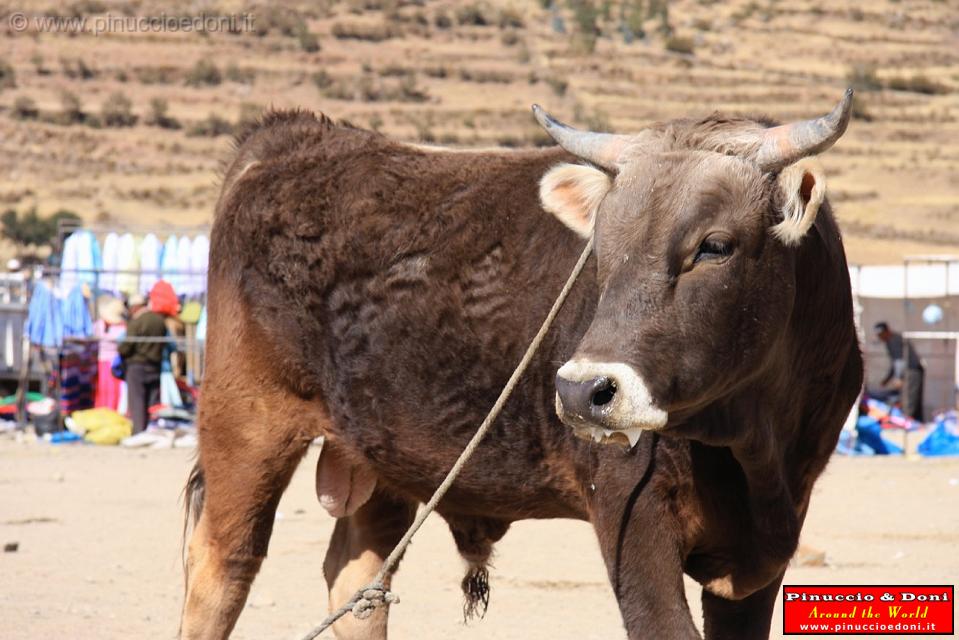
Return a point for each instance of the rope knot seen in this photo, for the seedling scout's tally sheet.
(373, 597)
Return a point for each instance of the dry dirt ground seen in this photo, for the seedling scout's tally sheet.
(464, 74)
(99, 535)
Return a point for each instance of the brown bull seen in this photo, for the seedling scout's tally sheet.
(379, 294)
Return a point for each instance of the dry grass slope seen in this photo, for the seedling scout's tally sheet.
(134, 126)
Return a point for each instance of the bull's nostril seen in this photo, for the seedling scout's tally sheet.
(603, 393)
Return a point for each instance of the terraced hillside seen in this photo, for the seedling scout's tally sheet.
(133, 126)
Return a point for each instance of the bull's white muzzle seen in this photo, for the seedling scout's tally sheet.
(606, 401)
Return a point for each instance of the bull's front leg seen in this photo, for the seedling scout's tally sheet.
(639, 539)
(746, 619)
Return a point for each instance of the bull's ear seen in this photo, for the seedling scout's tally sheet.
(572, 193)
(803, 186)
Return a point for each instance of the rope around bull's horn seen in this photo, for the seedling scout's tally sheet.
(374, 594)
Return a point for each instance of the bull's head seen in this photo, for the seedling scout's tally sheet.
(696, 227)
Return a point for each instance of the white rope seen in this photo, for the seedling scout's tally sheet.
(369, 597)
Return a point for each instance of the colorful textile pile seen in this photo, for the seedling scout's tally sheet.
(78, 376)
(100, 426)
(889, 417)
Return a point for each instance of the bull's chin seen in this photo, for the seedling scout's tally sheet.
(586, 429)
(626, 438)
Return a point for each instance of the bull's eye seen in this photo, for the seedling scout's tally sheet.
(713, 248)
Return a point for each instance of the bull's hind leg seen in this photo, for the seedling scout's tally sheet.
(359, 546)
(253, 431)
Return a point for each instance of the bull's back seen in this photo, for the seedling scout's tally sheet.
(396, 285)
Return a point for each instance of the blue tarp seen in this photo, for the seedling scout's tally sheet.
(944, 438)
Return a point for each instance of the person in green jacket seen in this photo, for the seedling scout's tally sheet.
(142, 360)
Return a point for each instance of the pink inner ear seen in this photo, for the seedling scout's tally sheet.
(573, 199)
(805, 189)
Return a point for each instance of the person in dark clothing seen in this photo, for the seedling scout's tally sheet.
(906, 373)
(143, 360)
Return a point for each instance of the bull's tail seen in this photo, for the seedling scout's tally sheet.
(476, 590)
(474, 540)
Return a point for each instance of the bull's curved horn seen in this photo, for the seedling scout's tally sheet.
(783, 145)
(601, 149)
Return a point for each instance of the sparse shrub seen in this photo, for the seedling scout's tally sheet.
(859, 111)
(308, 41)
(369, 90)
(539, 138)
(509, 140)
(322, 79)
(29, 228)
(680, 44)
(86, 7)
(203, 73)
(509, 38)
(286, 22)
(39, 64)
(77, 69)
(117, 111)
(585, 14)
(242, 75)
(376, 122)
(156, 74)
(122, 75)
(25, 108)
(363, 31)
(557, 84)
(425, 133)
(339, 90)
(485, 75)
(510, 18)
(523, 56)
(249, 114)
(158, 115)
(862, 77)
(71, 111)
(634, 22)
(472, 15)
(917, 83)
(410, 91)
(8, 77)
(395, 71)
(211, 126)
(442, 20)
(747, 10)
(595, 120)
(440, 72)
